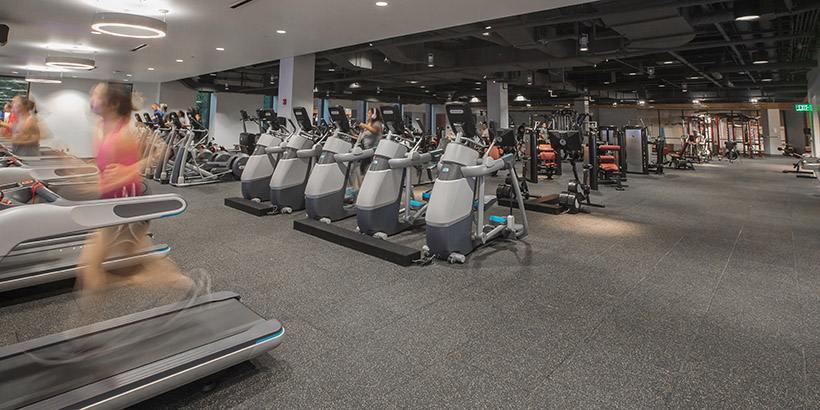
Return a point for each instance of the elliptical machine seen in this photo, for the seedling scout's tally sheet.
(455, 216)
(326, 190)
(380, 198)
(290, 177)
(258, 169)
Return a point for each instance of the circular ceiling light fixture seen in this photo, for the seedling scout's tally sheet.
(747, 10)
(129, 25)
(77, 63)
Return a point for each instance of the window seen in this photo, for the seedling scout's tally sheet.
(11, 86)
(203, 107)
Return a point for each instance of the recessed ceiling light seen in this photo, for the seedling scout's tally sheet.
(128, 25)
(485, 34)
(150, 68)
(70, 62)
(73, 76)
(96, 32)
(633, 73)
(220, 49)
(488, 27)
(355, 85)
(381, 3)
(669, 62)
(766, 80)
(15, 72)
(124, 79)
(129, 75)
(478, 82)
(179, 60)
(43, 80)
(422, 86)
(413, 82)
(478, 88)
(331, 69)
(281, 32)
(661, 85)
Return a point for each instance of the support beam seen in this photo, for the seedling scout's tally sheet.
(296, 75)
(498, 104)
(813, 78)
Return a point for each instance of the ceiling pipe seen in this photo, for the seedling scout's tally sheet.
(546, 61)
(697, 70)
(765, 67)
(541, 22)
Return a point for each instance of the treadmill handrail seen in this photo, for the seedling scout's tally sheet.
(37, 221)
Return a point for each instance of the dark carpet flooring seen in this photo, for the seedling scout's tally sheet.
(689, 290)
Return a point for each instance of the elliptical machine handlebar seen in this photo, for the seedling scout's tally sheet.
(356, 154)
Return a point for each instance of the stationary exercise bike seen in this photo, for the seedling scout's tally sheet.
(381, 210)
(289, 179)
(326, 190)
(455, 216)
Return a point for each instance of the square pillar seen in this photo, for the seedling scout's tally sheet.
(770, 126)
(498, 104)
(296, 76)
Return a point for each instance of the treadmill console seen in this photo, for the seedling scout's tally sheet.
(302, 118)
(339, 117)
(392, 119)
(461, 118)
(566, 141)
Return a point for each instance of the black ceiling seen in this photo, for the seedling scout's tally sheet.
(638, 51)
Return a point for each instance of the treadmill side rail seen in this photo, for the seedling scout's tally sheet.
(39, 221)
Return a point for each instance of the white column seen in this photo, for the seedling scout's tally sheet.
(498, 104)
(296, 75)
(814, 123)
(813, 78)
(770, 126)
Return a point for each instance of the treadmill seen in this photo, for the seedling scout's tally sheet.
(43, 241)
(134, 357)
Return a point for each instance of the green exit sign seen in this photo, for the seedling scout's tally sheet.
(803, 107)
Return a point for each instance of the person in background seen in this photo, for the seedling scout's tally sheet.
(25, 131)
(8, 119)
(183, 119)
(371, 134)
(164, 108)
(485, 131)
(520, 131)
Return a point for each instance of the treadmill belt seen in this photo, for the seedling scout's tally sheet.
(55, 368)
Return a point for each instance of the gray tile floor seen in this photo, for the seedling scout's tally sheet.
(694, 289)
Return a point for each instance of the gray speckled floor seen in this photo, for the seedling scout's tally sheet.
(694, 289)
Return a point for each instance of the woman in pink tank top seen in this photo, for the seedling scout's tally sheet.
(118, 157)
